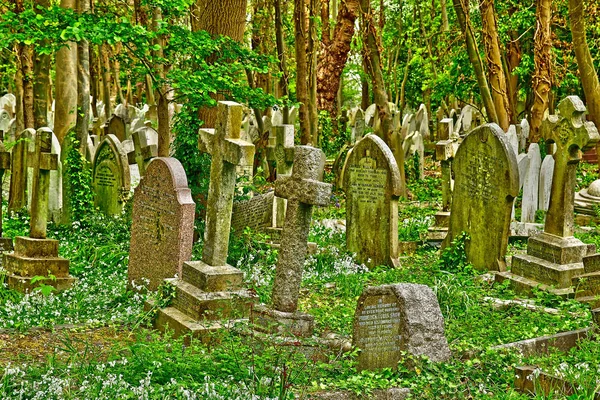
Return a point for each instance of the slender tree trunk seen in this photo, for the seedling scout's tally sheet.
(466, 27)
(312, 73)
(496, 75)
(445, 24)
(164, 121)
(117, 75)
(302, 70)
(372, 59)
(65, 107)
(585, 62)
(334, 54)
(94, 79)
(224, 17)
(281, 55)
(513, 59)
(542, 75)
(41, 80)
(83, 85)
(105, 55)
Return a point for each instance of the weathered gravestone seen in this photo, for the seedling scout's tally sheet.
(545, 183)
(116, 126)
(530, 202)
(555, 256)
(4, 121)
(303, 190)
(255, 213)
(486, 183)
(372, 185)
(36, 255)
(6, 244)
(209, 291)
(392, 319)
(110, 176)
(587, 285)
(163, 223)
(281, 150)
(358, 126)
(145, 142)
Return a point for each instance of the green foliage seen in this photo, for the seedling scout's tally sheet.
(78, 176)
(331, 143)
(454, 257)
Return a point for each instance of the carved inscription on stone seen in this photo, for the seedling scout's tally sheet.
(105, 176)
(482, 182)
(367, 183)
(379, 327)
(156, 212)
(255, 213)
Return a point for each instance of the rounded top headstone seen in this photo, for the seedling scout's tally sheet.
(594, 189)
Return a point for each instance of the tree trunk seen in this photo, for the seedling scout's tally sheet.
(312, 73)
(65, 107)
(83, 85)
(372, 59)
(513, 59)
(542, 75)
(105, 55)
(283, 80)
(496, 75)
(334, 55)
(585, 62)
(225, 17)
(466, 27)
(301, 70)
(445, 24)
(164, 121)
(41, 80)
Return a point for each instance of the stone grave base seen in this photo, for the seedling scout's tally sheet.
(6, 245)
(282, 323)
(207, 299)
(36, 257)
(587, 285)
(550, 264)
(520, 230)
(528, 379)
(439, 230)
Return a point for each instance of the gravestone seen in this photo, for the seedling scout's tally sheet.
(545, 183)
(555, 256)
(486, 183)
(392, 319)
(422, 122)
(4, 121)
(587, 285)
(7, 103)
(36, 255)
(513, 140)
(209, 291)
(523, 134)
(18, 178)
(446, 128)
(372, 185)
(163, 223)
(530, 201)
(413, 146)
(282, 152)
(116, 126)
(303, 189)
(358, 126)
(145, 142)
(255, 213)
(6, 244)
(111, 180)
(55, 201)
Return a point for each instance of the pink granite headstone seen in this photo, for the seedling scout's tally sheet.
(163, 223)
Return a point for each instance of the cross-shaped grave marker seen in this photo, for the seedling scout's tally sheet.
(571, 133)
(282, 152)
(303, 189)
(227, 150)
(42, 162)
(143, 149)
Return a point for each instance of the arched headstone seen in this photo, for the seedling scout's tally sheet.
(110, 176)
(163, 223)
(486, 184)
(372, 184)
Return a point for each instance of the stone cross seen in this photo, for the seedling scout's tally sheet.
(43, 161)
(571, 134)
(303, 189)
(227, 150)
(4, 165)
(144, 151)
(282, 152)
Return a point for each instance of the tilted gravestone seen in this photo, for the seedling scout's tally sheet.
(163, 223)
(209, 291)
(555, 256)
(529, 205)
(110, 176)
(36, 255)
(116, 126)
(303, 189)
(255, 213)
(486, 183)
(392, 319)
(373, 186)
